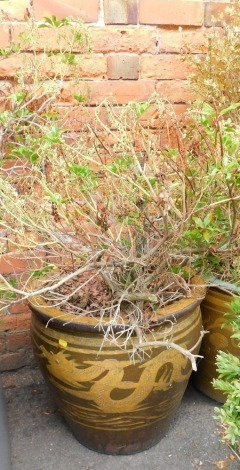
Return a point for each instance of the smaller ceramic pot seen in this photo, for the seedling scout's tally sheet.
(215, 305)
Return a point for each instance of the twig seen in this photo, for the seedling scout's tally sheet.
(234, 452)
(169, 344)
(62, 281)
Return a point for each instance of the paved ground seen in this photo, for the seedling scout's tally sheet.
(40, 439)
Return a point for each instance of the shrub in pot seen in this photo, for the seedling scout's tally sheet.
(219, 230)
(103, 220)
(116, 321)
(215, 80)
(215, 76)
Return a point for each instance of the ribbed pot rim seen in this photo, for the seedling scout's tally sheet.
(52, 316)
(223, 286)
(217, 291)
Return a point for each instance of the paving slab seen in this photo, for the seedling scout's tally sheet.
(40, 439)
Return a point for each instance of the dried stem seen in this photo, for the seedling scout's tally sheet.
(169, 344)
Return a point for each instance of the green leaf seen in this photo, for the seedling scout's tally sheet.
(54, 135)
(13, 48)
(80, 98)
(46, 269)
(131, 219)
(12, 282)
(141, 108)
(69, 58)
(198, 222)
(26, 152)
(18, 96)
(5, 293)
(208, 110)
(53, 22)
(152, 180)
(77, 36)
(80, 170)
(126, 242)
(33, 157)
(56, 198)
(232, 107)
(120, 164)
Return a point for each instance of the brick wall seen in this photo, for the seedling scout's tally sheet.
(136, 50)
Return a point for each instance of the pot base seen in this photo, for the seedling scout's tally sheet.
(119, 443)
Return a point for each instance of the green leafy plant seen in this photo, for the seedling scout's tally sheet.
(37, 94)
(216, 75)
(110, 204)
(217, 231)
(5, 293)
(228, 367)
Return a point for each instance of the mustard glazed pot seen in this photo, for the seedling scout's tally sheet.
(215, 305)
(113, 404)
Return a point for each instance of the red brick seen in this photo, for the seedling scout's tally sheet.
(181, 110)
(69, 89)
(4, 36)
(26, 240)
(175, 91)
(24, 320)
(121, 91)
(18, 167)
(87, 10)
(19, 307)
(112, 39)
(8, 322)
(120, 11)
(11, 65)
(2, 344)
(6, 89)
(151, 116)
(34, 260)
(12, 263)
(163, 67)
(122, 66)
(76, 117)
(87, 66)
(93, 67)
(16, 321)
(48, 39)
(19, 262)
(176, 41)
(171, 12)
(213, 11)
(15, 10)
(16, 341)
(90, 66)
(168, 138)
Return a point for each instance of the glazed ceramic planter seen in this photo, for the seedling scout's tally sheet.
(214, 307)
(111, 404)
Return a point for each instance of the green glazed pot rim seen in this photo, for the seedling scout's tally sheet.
(223, 285)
